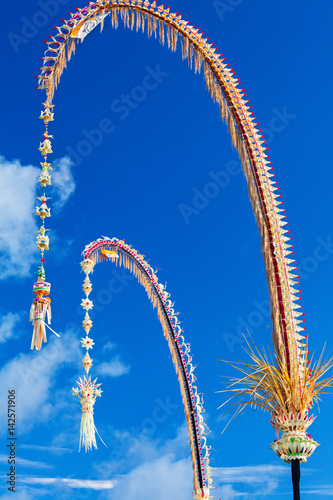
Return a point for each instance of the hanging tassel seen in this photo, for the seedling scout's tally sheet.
(40, 310)
(87, 428)
(89, 391)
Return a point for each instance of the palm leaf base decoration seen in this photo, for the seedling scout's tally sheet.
(294, 448)
(294, 444)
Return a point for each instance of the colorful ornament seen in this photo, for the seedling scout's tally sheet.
(42, 240)
(110, 254)
(87, 304)
(87, 362)
(46, 115)
(87, 286)
(45, 147)
(87, 323)
(40, 310)
(43, 211)
(87, 266)
(45, 177)
(87, 342)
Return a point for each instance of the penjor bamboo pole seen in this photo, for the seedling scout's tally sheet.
(296, 476)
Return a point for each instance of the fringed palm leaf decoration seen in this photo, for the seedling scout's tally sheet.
(268, 384)
(117, 251)
(87, 392)
(40, 311)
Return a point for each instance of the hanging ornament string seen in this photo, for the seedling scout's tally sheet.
(41, 307)
(88, 390)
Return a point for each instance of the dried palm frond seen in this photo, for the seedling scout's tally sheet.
(267, 383)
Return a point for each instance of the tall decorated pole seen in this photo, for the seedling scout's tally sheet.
(288, 385)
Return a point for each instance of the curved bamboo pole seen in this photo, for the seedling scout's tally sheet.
(125, 255)
(236, 112)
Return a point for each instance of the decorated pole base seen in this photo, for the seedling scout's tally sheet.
(294, 444)
(290, 448)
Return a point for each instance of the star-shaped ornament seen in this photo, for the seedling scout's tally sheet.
(88, 343)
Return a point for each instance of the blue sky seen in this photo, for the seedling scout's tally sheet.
(149, 179)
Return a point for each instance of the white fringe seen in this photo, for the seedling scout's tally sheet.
(87, 432)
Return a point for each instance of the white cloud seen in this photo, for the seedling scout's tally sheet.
(20, 494)
(33, 378)
(7, 326)
(160, 474)
(18, 223)
(113, 368)
(109, 346)
(91, 484)
(22, 462)
(249, 474)
(138, 445)
(50, 449)
(70, 482)
(156, 468)
(320, 490)
(163, 478)
(227, 492)
(262, 479)
(63, 185)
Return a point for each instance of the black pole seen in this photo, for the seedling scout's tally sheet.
(296, 476)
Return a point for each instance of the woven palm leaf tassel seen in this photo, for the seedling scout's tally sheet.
(87, 393)
(40, 310)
